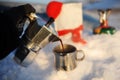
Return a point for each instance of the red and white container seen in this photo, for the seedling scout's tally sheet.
(69, 23)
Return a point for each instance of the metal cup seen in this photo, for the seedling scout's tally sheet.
(66, 59)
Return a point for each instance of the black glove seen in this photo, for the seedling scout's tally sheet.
(11, 28)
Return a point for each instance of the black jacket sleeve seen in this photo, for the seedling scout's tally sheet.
(9, 40)
(9, 29)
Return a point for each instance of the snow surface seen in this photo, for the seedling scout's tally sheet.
(102, 60)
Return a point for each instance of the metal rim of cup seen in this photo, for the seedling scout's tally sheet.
(67, 49)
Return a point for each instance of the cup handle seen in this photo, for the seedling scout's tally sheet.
(80, 57)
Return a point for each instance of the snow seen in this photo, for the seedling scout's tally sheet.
(102, 59)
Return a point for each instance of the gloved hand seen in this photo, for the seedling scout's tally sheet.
(11, 22)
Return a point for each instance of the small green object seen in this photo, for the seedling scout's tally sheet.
(109, 30)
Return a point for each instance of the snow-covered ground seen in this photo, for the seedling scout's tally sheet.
(102, 60)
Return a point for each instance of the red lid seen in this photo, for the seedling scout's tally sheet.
(53, 9)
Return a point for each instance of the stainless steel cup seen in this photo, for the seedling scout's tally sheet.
(66, 59)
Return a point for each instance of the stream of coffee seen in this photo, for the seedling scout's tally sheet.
(62, 46)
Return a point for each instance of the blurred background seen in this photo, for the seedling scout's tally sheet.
(90, 7)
